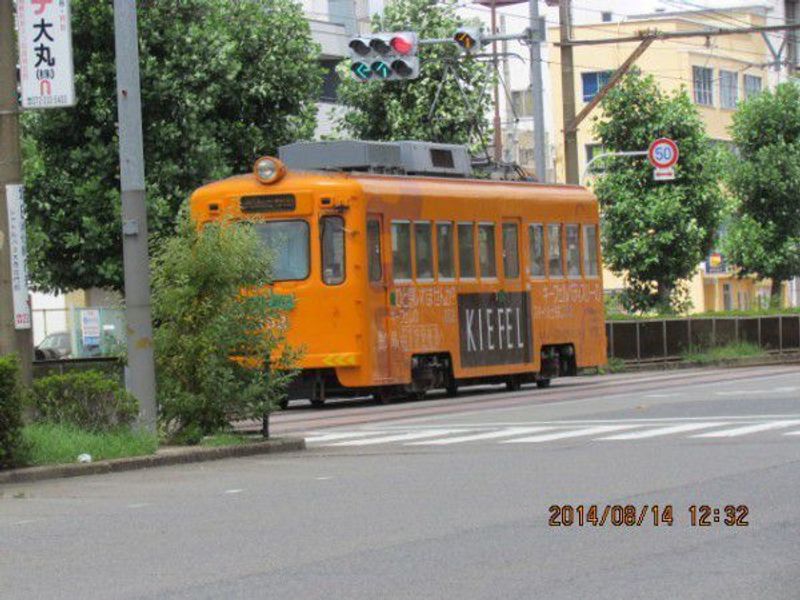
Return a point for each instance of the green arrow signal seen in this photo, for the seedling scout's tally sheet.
(361, 70)
(381, 69)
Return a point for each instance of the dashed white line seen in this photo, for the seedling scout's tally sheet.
(651, 433)
(736, 431)
(396, 438)
(234, 491)
(491, 435)
(548, 437)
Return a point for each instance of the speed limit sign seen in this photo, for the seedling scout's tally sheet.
(663, 154)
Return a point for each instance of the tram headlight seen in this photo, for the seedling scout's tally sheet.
(268, 169)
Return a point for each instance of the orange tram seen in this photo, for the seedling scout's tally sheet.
(409, 275)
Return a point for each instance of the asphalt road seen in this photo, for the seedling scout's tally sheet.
(448, 499)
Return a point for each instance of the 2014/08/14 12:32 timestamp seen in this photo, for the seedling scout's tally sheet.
(618, 515)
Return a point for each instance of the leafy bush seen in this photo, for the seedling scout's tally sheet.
(90, 400)
(220, 351)
(10, 411)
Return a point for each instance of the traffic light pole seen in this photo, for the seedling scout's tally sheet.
(140, 373)
(12, 340)
(537, 93)
(568, 94)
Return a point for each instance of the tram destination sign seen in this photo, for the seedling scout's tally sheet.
(494, 328)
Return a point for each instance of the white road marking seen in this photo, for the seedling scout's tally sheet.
(548, 437)
(508, 432)
(236, 491)
(792, 433)
(736, 431)
(139, 505)
(658, 431)
(331, 437)
(402, 437)
(323, 478)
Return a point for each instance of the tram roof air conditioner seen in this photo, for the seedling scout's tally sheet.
(404, 158)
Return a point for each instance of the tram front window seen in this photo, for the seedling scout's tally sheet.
(287, 244)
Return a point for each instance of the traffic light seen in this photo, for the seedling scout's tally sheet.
(384, 56)
(469, 38)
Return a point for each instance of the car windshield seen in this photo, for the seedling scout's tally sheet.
(287, 243)
(54, 340)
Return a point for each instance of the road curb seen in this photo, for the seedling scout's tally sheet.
(164, 457)
(756, 361)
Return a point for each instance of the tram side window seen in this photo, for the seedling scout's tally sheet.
(332, 250)
(466, 251)
(423, 246)
(573, 252)
(536, 241)
(444, 246)
(401, 250)
(374, 250)
(486, 253)
(510, 250)
(555, 267)
(590, 250)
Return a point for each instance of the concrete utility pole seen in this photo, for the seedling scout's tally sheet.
(497, 123)
(14, 340)
(568, 93)
(537, 96)
(140, 373)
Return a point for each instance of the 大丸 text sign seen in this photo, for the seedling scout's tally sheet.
(45, 53)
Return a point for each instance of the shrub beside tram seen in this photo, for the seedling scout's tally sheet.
(404, 274)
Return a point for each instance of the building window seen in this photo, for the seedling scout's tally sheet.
(728, 89)
(330, 81)
(606, 16)
(592, 82)
(752, 86)
(522, 101)
(703, 85)
(593, 150)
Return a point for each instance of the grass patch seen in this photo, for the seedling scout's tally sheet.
(729, 352)
(615, 365)
(47, 444)
(226, 439)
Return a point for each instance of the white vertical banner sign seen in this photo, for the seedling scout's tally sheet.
(17, 242)
(45, 53)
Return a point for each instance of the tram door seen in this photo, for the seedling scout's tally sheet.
(378, 298)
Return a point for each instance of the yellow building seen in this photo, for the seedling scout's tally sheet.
(716, 71)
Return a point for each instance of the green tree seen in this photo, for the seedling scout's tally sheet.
(220, 351)
(222, 83)
(763, 236)
(655, 233)
(399, 110)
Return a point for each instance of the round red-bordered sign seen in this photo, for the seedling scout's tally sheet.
(663, 153)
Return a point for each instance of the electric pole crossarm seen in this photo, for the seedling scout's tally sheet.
(615, 77)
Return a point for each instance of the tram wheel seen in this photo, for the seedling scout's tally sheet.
(283, 404)
(451, 391)
(317, 402)
(513, 385)
(543, 383)
(382, 397)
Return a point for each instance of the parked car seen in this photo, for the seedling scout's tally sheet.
(54, 346)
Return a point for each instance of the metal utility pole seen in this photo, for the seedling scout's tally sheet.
(568, 93)
(14, 340)
(140, 372)
(498, 127)
(537, 96)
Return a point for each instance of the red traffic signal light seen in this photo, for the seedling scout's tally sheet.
(402, 44)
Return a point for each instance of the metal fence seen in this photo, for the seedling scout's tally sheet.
(667, 339)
